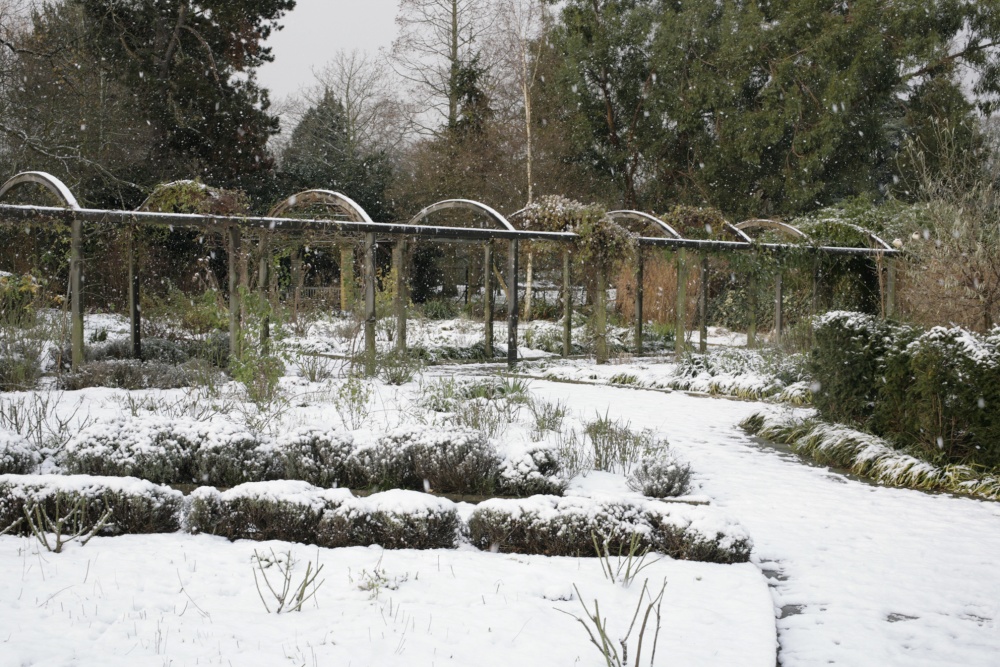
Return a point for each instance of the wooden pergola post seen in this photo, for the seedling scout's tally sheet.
(638, 299)
(567, 306)
(779, 299)
(488, 300)
(76, 292)
(134, 308)
(296, 279)
(512, 303)
(401, 296)
(601, 315)
(680, 307)
(235, 243)
(752, 301)
(703, 305)
(369, 287)
(347, 296)
(263, 276)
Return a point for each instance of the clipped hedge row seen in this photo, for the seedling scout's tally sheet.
(137, 506)
(17, 455)
(173, 451)
(567, 526)
(296, 511)
(935, 392)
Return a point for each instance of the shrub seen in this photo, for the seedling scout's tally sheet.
(137, 506)
(151, 448)
(228, 455)
(394, 520)
(17, 455)
(398, 368)
(567, 526)
(153, 349)
(318, 456)
(534, 470)
(440, 309)
(847, 363)
(279, 510)
(616, 446)
(660, 477)
(131, 374)
(447, 460)
(171, 451)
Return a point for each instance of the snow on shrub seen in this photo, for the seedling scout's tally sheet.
(17, 455)
(278, 510)
(567, 526)
(446, 460)
(661, 476)
(151, 448)
(530, 471)
(870, 456)
(394, 519)
(171, 451)
(137, 506)
(318, 456)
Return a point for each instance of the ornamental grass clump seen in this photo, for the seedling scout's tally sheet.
(660, 476)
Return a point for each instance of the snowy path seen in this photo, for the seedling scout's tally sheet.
(878, 576)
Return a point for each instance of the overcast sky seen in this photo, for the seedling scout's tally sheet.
(315, 30)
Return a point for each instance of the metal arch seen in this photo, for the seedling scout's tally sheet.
(639, 216)
(48, 181)
(870, 235)
(737, 232)
(464, 204)
(784, 227)
(335, 200)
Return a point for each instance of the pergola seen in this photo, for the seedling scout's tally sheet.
(281, 223)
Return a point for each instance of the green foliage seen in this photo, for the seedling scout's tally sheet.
(764, 108)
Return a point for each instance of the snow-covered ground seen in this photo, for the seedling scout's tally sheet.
(858, 574)
(188, 600)
(861, 575)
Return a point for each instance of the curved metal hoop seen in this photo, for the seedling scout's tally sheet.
(782, 227)
(466, 205)
(48, 181)
(341, 203)
(870, 235)
(646, 219)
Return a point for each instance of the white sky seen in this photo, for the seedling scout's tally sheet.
(315, 30)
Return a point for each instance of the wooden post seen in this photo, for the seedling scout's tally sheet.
(401, 296)
(76, 293)
(347, 296)
(638, 299)
(567, 307)
(680, 307)
(890, 288)
(703, 305)
(296, 277)
(263, 276)
(779, 294)
(601, 316)
(234, 291)
(488, 300)
(814, 303)
(752, 302)
(512, 303)
(134, 309)
(369, 280)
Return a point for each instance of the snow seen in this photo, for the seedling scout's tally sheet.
(187, 600)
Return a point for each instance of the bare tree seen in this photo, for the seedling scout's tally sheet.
(436, 39)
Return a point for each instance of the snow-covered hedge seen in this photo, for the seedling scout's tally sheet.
(870, 456)
(319, 456)
(567, 526)
(17, 455)
(532, 470)
(394, 519)
(278, 510)
(137, 506)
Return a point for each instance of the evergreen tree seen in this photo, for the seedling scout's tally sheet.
(191, 66)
